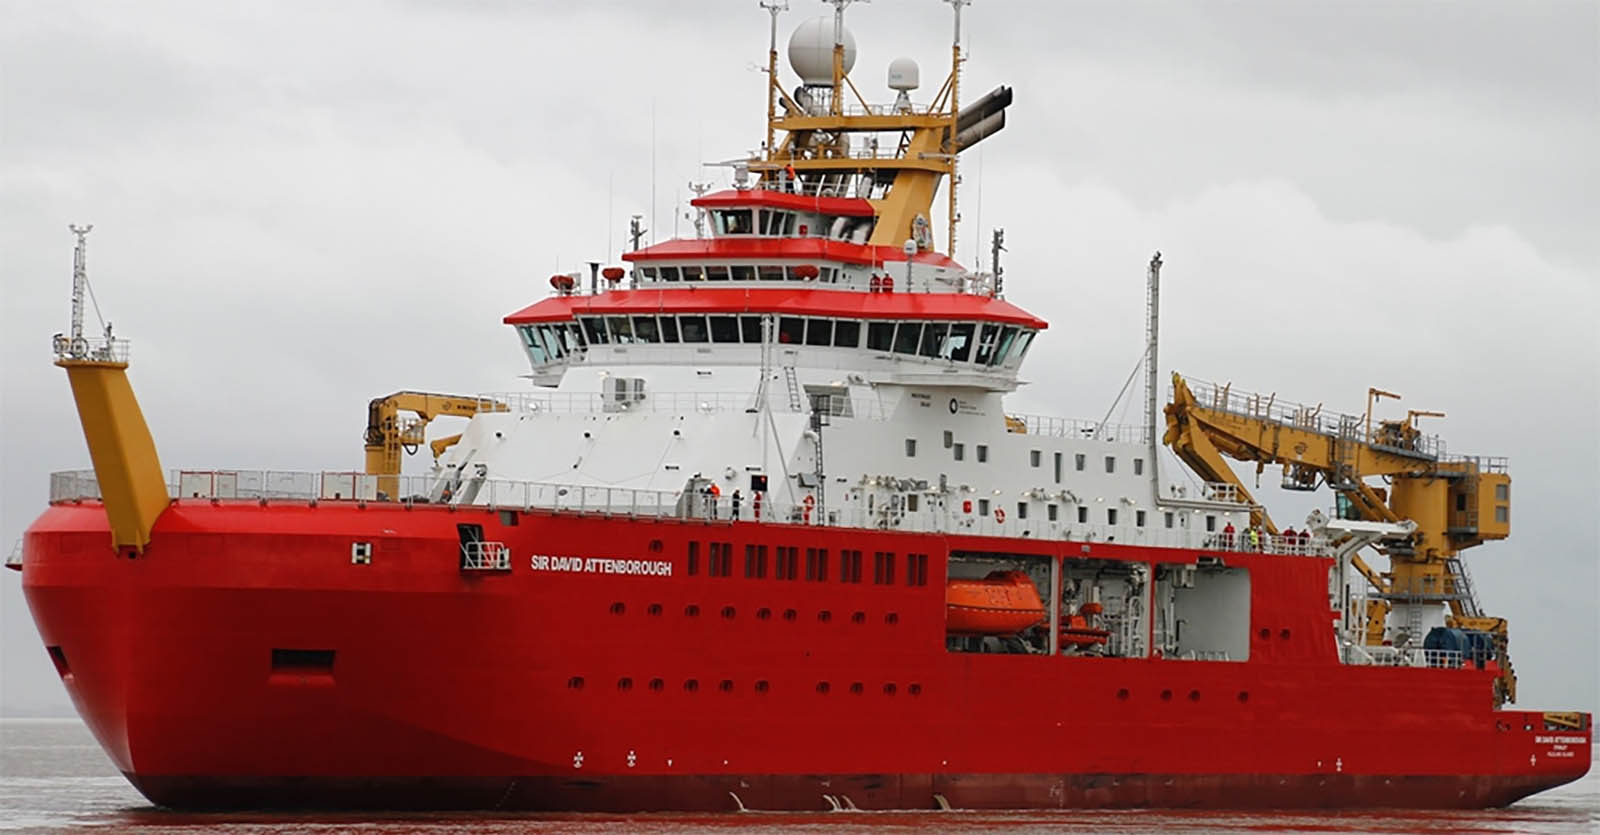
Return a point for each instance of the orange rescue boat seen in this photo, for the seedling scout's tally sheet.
(1003, 603)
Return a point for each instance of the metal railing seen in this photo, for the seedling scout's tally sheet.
(1311, 418)
(1403, 657)
(555, 402)
(866, 510)
(485, 556)
(1060, 427)
(1294, 546)
(90, 348)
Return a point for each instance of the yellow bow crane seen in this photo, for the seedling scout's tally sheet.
(389, 432)
(1457, 502)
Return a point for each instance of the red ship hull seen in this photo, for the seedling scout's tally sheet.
(245, 660)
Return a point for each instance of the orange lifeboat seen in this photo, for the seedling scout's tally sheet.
(1078, 633)
(1003, 603)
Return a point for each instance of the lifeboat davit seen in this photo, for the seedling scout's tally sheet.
(1077, 632)
(1003, 603)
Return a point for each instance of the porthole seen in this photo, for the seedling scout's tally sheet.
(763, 614)
(618, 608)
(1244, 696)
(790, 614)
(691, 685)
(1123, 694)
(857, 688)
(656, 684)
(892, 618)
(691, 611)
(624, 684)
(824, 616)
(858, 617)
(727, 612)
(654, 610)
(655, 546)
(889, 689)
(915, 689)
(1284, 634)
(1166, 695)
(725, 686)
(762, 686)
(575, 683)
(823, 687)
(1265, 633)
(1194, 695)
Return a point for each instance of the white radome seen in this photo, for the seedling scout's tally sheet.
(904, 75)
(811, 52)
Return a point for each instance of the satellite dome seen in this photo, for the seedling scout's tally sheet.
(811, 52)
(903, 74)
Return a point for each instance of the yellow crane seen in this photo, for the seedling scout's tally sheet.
(1457, 502)
(389, 432)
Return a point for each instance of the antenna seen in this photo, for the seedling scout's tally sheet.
(774, 8)
(636, 230)
(699, 214)
(1152, 334)
(995, 248)
(955, 118)
(80, 281)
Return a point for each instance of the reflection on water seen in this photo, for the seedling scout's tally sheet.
(53, 777)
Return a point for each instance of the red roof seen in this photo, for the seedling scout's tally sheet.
(790, 249)
(793, 301)
(730, 198)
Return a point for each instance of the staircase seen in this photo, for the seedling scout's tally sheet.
(1461, 582)
(796, 402)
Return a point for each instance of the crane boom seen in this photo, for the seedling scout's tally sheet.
(1456, 502)
(389, 432)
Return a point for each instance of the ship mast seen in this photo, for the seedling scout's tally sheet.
(955, 119)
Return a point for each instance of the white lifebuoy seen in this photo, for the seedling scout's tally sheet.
(1000, 515)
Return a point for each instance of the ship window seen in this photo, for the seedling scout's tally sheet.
(933, 339)
(1211, 524)
(724, 329)
(694, 558)
(882, 568)
(669, 273)
(693, 328)
(1022, 510)
(911, 502)
(621, 329)
(1111, 516)
(721, 562)
(916, 569)
(1138, 518)
(1020, 348)
(949, 439)
(791, 331)
(716, 272)
(594, 330)
(880, 336)
(1502, 492)
(846, 334)
(533, 344)
(1111, 463)
(905, 338)
(986, 340)
(983, 507)
(817, 564)
(734, 222)
(750, 329)
(755, 561)
(983, 453)
(787, 564)
(819, 332)
(554, 337)
(743, 272)
(769, 272)
(1167, 518)
(645, 330)
(669, 329)
(1138, 466)
(960, 344)
(1502, 514)
(911, 447)
(1008, 336)
(1051, 512)
(1035, 457)
(959, 451)
(849, 566)
(694, 273)
(1083, 514)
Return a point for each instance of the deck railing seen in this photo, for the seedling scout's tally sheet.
(867, 510)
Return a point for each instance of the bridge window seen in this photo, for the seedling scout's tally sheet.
(986, 339)
(769, 272)
(743, 272)
(819, 332)
(960, 343)
(933, 335)
(693, 328)
(1008, 336)
(846, 334)
(724, 329)
(621, 329)
(694, 273)
(645, 330)
(666, 273)
(880, 336)
(669, 329)
(791, 330)
(531, 342)
(906, 337)
(594, 330)
(734, 222)
(750, 329)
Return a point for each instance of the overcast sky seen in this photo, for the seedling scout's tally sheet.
(299, 206)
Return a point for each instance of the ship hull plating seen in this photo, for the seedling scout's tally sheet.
(249, 660)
